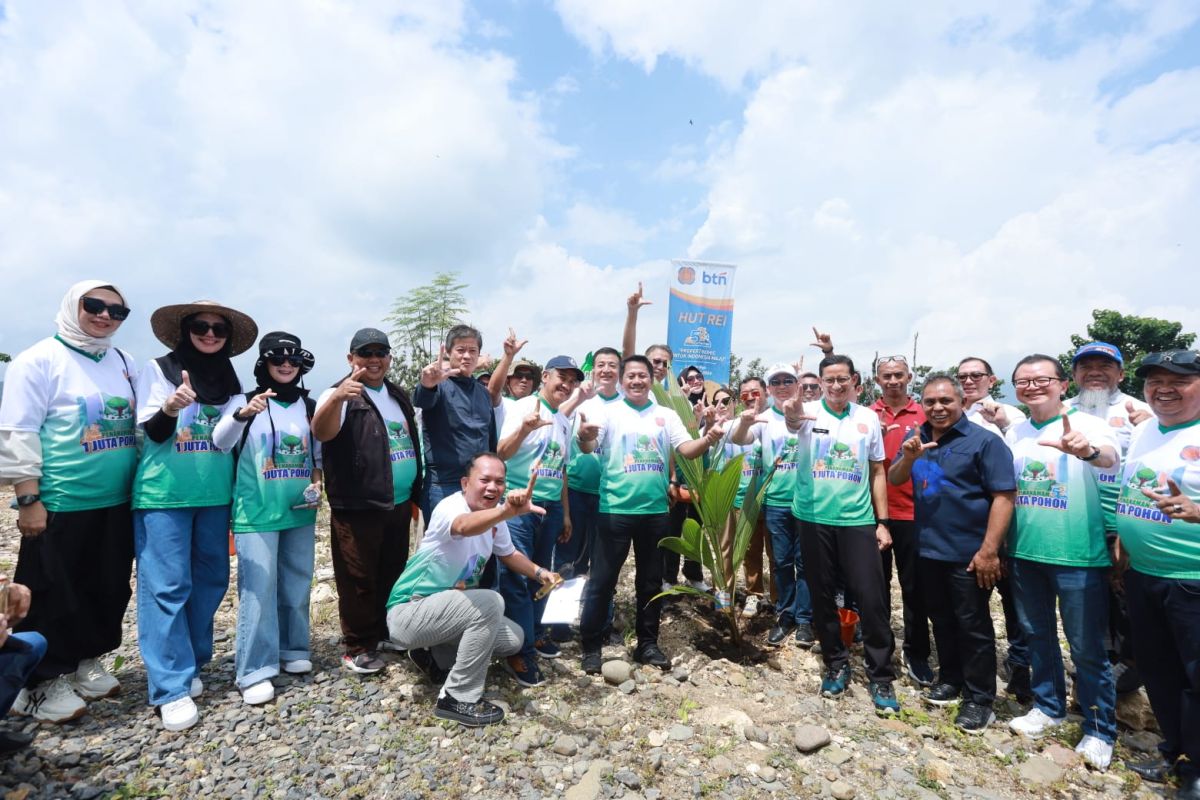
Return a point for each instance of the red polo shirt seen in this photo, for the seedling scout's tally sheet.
(896, 428)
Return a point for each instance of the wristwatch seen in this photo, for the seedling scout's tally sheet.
(28, 499)
(1095, 454)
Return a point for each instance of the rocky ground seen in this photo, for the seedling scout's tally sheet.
(710, 728)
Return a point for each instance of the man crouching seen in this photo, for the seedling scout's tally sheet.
(436, 611)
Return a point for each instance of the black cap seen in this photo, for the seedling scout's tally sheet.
(281, 343)
(1181, 362)
(565, 363)
(366, 336)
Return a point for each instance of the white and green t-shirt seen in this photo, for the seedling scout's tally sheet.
(274, 467)
(1060, 513)
(751, 463)
(833, 483)
(583, 471)
(1115, 414)
(1156, 544)
(547, 446)
(446, 561)
(637, 443)
(776, 443)
(188, 470)
(401, 450)
(83, 410)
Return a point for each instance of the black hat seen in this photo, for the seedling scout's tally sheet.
(366, 336)
(1181, 362)
(281, 343)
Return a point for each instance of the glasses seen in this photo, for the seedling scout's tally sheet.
(96, 307)
(201, 328)
(885, 359)
(522, 376)
(751, 394)
(810, 387)
(1040, 382)
(367, 352)
(279, 361)
(837, 380)
(659, 362)
(781, 381)
(694, 377)
(724, 401)
(974, 377)
(1180, 357)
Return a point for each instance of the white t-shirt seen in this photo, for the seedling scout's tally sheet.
(446, 561)
(1116, 415)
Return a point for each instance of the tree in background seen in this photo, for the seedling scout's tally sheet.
(419, 323)
(1134, 336)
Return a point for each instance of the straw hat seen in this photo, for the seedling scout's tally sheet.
(166, 321)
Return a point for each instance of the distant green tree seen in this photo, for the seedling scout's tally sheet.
(5, 358)
(1134, 336)
(419, 323)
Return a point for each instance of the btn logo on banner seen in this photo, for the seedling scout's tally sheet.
(700, 317)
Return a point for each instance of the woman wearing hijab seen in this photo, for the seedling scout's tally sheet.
(67, 446)
(181, 497)
(277, 486)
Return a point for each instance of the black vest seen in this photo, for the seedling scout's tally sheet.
(358, 467)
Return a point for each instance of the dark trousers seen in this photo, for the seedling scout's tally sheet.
(1165, 617)
(615, 533)
(574, 556)
(962, 628)
(1018, 642)
(369, 549)
(853, 548)
(916, 621)
(78, 571)
(692, 570)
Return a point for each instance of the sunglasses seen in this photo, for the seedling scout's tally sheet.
(96, 307)
(693, 377)
(724, 401)
(200, 328)
(810, 387)
(974, 377)
(781, 381)
(522, 376)
(369, 352)
(885, 359)
(751, 394)
(279, 361)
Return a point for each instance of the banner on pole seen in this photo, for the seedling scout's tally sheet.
(700, 317)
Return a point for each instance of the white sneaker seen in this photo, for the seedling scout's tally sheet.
(390, 646)
(721, 600)
(196, 689)
(700, 585)
(1035, 723)
(751, 607)
(300, 666)
(1095, 751)
(259, 693)
(52, 701)
(92, 681)
(666, 587)
(179, 715)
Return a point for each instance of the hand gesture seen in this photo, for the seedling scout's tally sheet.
(823, 341)
(257, 404)
(914, 448)
(533, 420)
(793, 412)
(513, 345)
(994, 413)
(1136, 415)
(986, 567)
(635, 301)
(1072, 443)
(588, 431)
(351, 387)
(1173, 502)
(182, 397)
(587, 390)
(520, 501)
(439, 370)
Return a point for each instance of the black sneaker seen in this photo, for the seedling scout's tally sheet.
(367, 663)
(1019, 685)
(651, 656)
(1126, 677)
(778, 633)
(473, 715)
(562, 633)
(974, 718)
(591, 662)
(546, 648)
(424, 661)
(919, 672)
(524, 670)
(940, 694)
(12, 741)
(1154, 770)
(804, 635)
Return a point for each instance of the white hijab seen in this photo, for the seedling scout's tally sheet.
(67, 320)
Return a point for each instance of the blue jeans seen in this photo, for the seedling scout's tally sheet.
(575, 556)
(533, 535)
(788, 565)
(182, 574)
(1082, 596)
(18, 659)
(275, 571)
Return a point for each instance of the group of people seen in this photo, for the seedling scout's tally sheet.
(525, 475)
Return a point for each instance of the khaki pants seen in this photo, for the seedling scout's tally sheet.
(753, 563)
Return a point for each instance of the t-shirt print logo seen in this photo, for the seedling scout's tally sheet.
(107, 423)
(1132, 503)
(644, 457)
(396, 449)
(839, 463)
(197, 437)
(289, 461)
(1037, 486)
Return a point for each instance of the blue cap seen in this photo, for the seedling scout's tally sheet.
(1099, 349)
(565, 362)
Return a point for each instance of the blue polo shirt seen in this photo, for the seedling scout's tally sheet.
(457, 422)
(953, 485)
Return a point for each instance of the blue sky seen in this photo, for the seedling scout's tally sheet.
(982, 173)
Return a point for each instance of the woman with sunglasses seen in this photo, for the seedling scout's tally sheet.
(277, 486)
(181, 497)
(67, 447)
